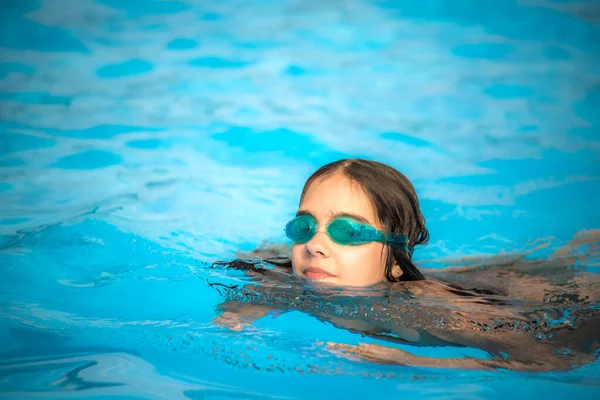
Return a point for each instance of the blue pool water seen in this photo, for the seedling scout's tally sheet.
(140, 141)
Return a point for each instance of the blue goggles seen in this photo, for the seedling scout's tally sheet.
(344, 231)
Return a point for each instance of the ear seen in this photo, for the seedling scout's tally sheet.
(397, 271)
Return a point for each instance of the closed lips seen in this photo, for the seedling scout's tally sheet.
(317, 273)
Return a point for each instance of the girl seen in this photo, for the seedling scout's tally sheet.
(357, 225)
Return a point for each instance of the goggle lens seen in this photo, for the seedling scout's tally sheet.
(301, 229)
(343, 231)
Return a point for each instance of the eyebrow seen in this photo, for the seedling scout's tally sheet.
(337, 215)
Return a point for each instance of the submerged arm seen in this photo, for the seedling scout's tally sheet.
(236, 316)
(385, 355)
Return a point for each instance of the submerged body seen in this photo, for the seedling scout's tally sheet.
(522, 320)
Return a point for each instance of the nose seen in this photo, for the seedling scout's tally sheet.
(318, 246)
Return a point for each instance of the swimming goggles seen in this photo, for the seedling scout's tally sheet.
(344, 231)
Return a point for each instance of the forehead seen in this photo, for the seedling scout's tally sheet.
(337, 194)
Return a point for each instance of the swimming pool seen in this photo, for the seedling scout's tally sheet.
(140, 141)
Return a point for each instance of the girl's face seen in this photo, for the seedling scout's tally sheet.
(323, 260)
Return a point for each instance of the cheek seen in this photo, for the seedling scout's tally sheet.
(364, 261)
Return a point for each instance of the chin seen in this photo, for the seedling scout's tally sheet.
(360, 284)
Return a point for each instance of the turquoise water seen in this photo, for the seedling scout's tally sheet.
(142, 140)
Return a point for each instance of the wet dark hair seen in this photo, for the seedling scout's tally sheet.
(396, 205)
(395, 201)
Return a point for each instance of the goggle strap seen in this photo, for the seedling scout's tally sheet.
(401, 242)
